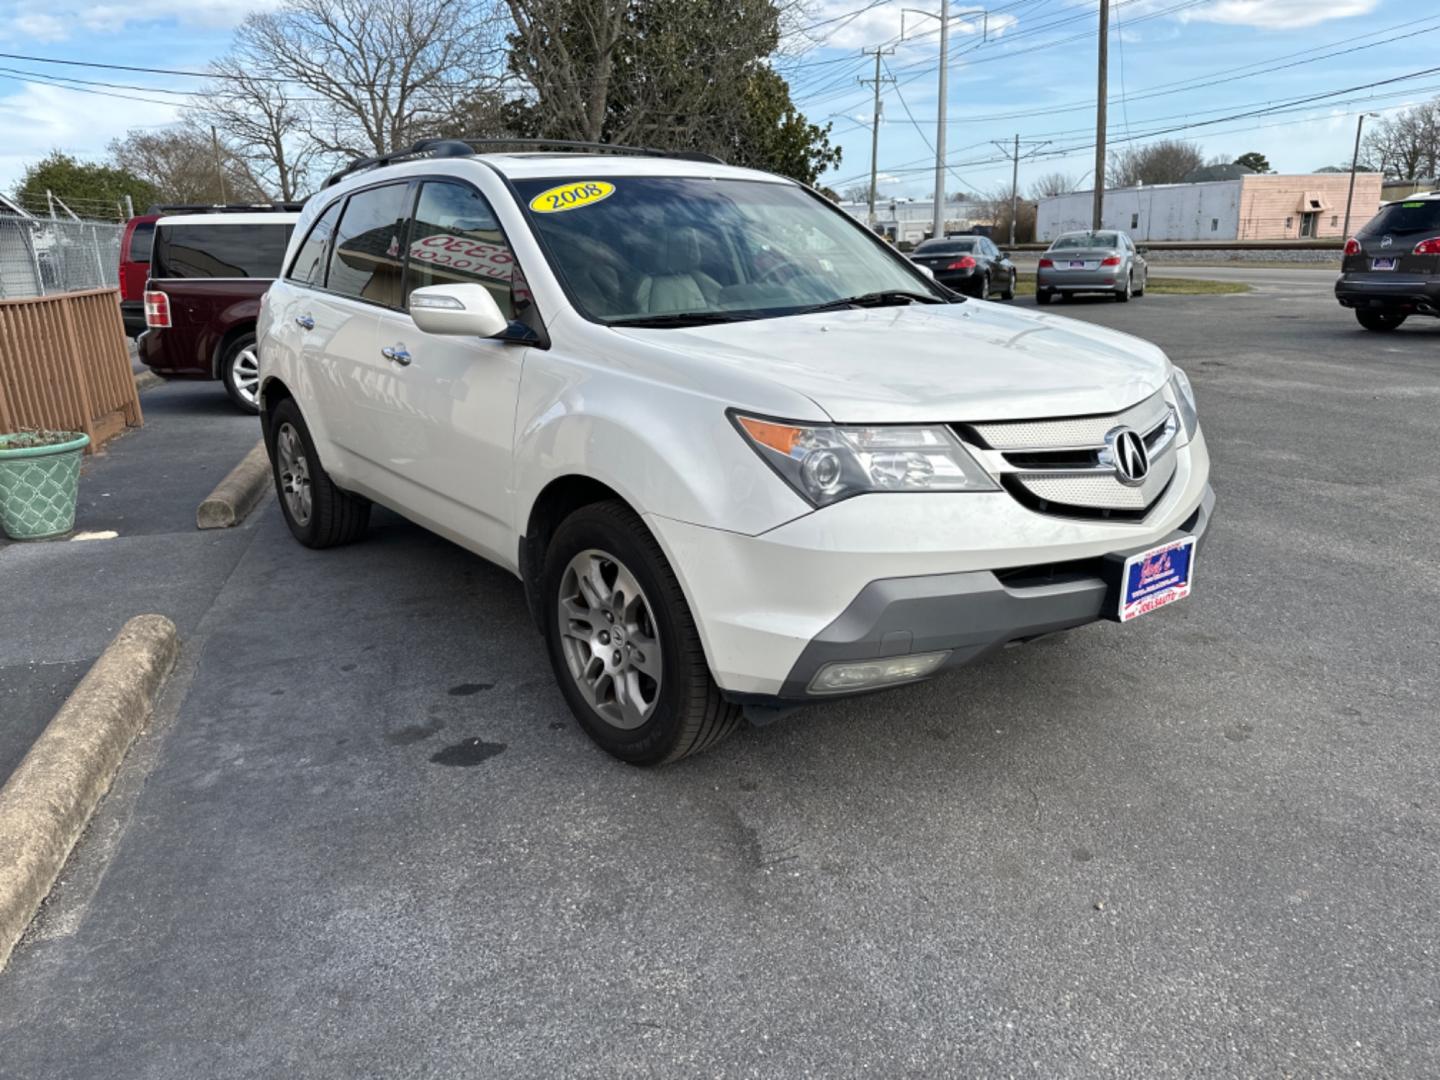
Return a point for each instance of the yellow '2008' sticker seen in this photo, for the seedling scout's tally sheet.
(571, 196)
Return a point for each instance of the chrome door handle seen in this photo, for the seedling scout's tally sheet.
(397, 353)
(305, 322)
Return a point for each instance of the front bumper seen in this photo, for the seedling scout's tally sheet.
(894, 574)
(1387, 291)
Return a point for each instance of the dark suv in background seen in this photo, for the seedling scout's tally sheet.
(1392, 266)
(207, 275)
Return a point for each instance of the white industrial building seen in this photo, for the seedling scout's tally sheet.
(913, 219)
(1307, 206)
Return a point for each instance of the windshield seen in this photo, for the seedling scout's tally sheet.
(637, 248)
(1416, 215)
(945, 247)
(1086, 240)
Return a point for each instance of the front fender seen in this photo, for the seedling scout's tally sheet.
(665, 449)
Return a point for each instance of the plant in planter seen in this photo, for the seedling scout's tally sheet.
(39, 482)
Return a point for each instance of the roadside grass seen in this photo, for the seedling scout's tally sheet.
(1159, 286)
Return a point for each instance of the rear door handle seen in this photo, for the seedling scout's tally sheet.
(305, 322)
(397, 353)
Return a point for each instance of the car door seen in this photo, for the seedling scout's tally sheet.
(446, 423)
(351, 382)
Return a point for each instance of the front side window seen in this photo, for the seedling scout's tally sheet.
(455, 239)
(633, 248)
(141, 238)
(228, 250)
(309, 265)
(368, 257)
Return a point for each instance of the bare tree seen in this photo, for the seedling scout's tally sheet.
(263, 121)
(181, 162)
(1164, 162)
(566, 51)
(1055, 183)
(994, 207)
(1405, 146)
(380, 75)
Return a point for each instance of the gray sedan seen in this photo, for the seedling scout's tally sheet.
(1091, 262)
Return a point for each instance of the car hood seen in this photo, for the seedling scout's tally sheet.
(970, 361)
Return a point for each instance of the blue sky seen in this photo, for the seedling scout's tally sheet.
(1023, 65)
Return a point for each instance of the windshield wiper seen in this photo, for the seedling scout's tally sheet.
(884, 298)
(679, 318)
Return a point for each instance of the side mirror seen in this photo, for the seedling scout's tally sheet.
(466, 310)
(926, 271)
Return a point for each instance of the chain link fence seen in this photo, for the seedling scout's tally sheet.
(43, 257)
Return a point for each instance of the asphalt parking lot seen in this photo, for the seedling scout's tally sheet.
(365, 838)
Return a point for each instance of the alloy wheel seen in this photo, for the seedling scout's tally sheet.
(245, 374)
(609, 639)
(294, 472)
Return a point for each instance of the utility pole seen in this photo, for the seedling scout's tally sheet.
(1354, 164)
(129, 208)
(1101, 93)
(938, 230)
(1015, 155)
(219, 170)
(875, 125)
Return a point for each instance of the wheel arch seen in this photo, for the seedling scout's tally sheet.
(560, 498)
(227, 340)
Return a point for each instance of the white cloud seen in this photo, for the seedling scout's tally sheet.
(60, 23)
(37, 26)
(1279, 14)
(42, 118)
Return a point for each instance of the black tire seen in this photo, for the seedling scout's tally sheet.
(1009, 293)
(984, 291)
(1123, 297)
(1043, 297)
(1382, 321)
(242, 381)
(689, 714)
(335, 517)
(1144, 280)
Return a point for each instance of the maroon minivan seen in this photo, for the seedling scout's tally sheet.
(207, 274)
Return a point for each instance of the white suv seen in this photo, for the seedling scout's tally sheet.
(741, 454)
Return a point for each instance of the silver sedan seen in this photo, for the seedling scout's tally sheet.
(1105, 261)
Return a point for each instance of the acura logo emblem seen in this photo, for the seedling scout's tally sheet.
(1128, 455)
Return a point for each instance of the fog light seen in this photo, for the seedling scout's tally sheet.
(846, 675)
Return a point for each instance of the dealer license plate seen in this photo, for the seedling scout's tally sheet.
(1382, 264)
(1155, 578)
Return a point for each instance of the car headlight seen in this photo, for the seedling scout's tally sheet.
(1185, 402)
(826, 463)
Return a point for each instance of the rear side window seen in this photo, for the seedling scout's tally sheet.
(141, 239)
(368, 259)
(219, 251)
(456, 240)
(309, 265)
(1411, 216)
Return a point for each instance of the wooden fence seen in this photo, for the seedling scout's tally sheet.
(64, 365)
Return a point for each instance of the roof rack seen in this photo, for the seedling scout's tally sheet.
(466, 147)
(226, 208)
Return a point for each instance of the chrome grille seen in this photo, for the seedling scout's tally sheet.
(1080, 431)
(1064, 466)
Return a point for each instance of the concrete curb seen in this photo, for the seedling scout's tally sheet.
(147, 380)
(47, 802)
(237, 494)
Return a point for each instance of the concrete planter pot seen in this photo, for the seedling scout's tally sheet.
(39, 483)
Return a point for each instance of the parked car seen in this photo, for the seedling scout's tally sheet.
(207, 275)
(1391, 268)
(741, 453)
(968, 264)
(135, 243)
(1104, 261)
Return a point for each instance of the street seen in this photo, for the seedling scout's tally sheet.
(364, 836)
